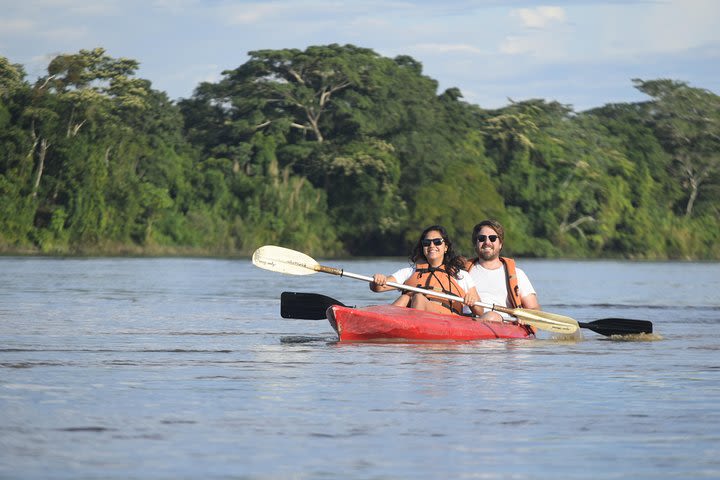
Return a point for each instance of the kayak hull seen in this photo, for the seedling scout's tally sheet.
(388, 322)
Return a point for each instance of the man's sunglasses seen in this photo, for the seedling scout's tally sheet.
(481, 238)
(435, 241)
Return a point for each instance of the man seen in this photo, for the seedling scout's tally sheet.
(496, 278)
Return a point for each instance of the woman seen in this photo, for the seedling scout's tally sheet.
(437, 267)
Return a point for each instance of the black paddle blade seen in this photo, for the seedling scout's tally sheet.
(619, 326)
(307, 306)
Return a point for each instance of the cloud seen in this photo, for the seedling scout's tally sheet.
(343, 12)
(16, 26)
(542, 34)
(253, 13)
(668, 28)
(514, 45)
(446, 48)
(177, 7)
(74, 7)
(540, 17)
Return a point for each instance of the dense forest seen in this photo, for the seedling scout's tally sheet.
(337, 150)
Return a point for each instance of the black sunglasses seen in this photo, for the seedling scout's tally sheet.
(481, 238)
(436, 241)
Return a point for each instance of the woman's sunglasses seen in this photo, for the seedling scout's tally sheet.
(435, 241)
(481, 238)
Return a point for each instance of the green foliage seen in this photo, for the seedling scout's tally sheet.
(16, 215)
(687, 123)
(362, 187)
(464, 196)
(287, 210)
(337, 150)
(11, 78)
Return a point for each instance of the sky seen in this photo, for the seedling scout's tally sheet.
(581, 53)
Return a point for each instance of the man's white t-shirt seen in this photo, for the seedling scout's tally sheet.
(463, 279)
(491, 285)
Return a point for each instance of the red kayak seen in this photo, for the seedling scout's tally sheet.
(388, 322)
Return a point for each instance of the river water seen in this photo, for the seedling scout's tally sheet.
(183, 368)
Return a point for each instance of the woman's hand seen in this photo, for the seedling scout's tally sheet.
(379, 282)
(471, 297)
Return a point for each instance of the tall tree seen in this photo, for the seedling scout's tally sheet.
(298, 87)
(688, 123)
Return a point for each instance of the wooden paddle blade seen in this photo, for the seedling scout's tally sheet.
(284, 260)
(551, 322)
(619, 326)
(307, 306)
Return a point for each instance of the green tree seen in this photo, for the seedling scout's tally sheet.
(295, 87)
(654, 190)
(361, 181)
(564, 173)
(688, 124)
(16, 214)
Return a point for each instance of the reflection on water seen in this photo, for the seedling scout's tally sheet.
(167, 368)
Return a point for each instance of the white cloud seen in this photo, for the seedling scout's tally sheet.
(175, 6)
(15, 26)
(544, 34)
(674, 27)
(41, 8)
(446, 48)
(514, 45)
(253, 13)
(364, 23)
(540, 17)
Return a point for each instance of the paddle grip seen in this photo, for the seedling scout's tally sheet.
(330, 270)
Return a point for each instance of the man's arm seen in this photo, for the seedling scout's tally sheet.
(530, 301)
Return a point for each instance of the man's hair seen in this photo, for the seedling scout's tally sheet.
(494, 224)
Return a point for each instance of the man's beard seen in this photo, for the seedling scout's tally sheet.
(490, 254)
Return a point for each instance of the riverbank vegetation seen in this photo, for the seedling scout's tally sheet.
(336, 150)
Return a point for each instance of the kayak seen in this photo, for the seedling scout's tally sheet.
(388, 322)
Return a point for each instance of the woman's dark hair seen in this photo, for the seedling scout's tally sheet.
(452, 262)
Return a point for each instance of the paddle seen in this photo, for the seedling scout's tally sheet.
(307, 306)
(618, 326)
(313, 306)
(284, 260)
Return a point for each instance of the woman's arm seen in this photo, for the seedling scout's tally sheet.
(379, 283)
(470, 298)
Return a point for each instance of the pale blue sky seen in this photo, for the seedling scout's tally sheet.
(583, 53)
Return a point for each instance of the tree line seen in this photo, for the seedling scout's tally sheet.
(336, 150)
